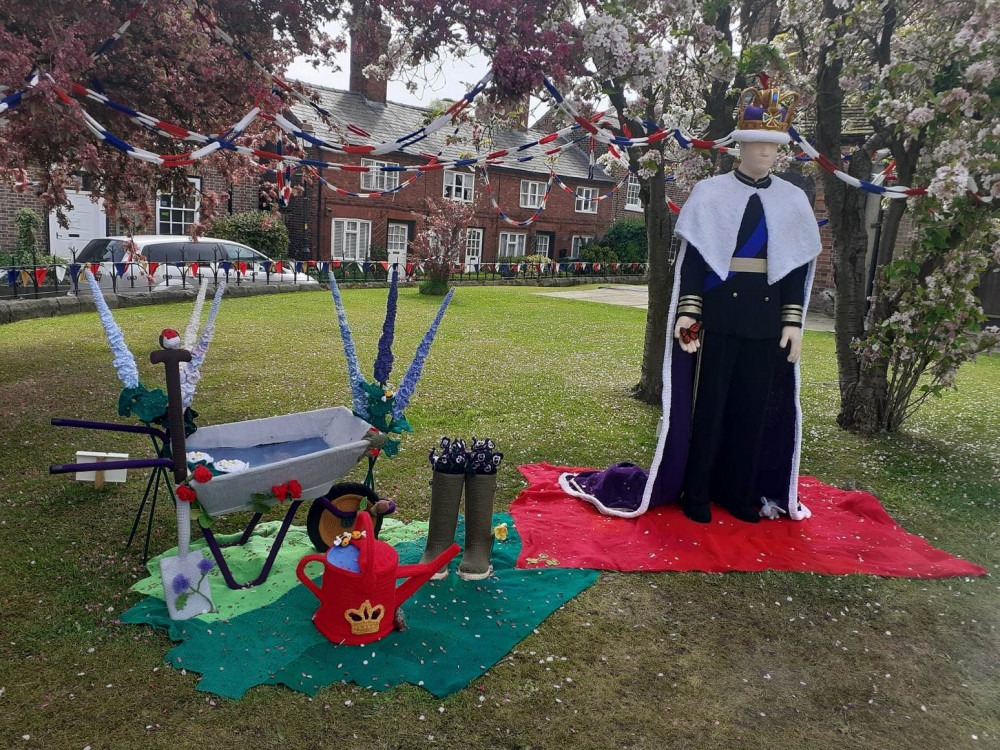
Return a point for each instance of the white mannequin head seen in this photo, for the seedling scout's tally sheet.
(757, 158)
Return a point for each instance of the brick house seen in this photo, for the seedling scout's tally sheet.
(172, 214)
(325, 225)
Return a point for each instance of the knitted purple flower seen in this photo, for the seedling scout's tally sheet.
(180, 584)
(383, 362)
(205, 565)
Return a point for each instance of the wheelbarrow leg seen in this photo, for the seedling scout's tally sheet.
(220, 559)
(145, 496)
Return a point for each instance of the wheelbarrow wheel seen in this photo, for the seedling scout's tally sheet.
(324, 526)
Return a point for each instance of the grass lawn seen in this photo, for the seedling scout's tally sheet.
(772, 660)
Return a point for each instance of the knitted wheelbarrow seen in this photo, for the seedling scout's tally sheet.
(312, 449)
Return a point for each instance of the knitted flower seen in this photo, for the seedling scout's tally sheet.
(294, 489)
(280, 491)
(202, 474)
(185, 493)
(500, 531)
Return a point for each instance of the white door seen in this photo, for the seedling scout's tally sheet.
(395, 245)
(86, 221)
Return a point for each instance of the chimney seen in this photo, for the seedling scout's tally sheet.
(369, 40)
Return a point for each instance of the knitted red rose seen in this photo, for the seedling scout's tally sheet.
(202, 474)
(186, 494)
(280, 491)
(295, 489)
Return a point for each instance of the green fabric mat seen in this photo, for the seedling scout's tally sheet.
(456, 630)
(246, 562)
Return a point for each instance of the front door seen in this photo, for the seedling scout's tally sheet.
(397, 236)
(86, 221)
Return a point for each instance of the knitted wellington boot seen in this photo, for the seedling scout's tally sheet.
(446, 496)
(480, 490)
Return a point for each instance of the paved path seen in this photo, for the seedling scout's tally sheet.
(638, 296)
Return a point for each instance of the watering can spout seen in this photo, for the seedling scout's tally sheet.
(417, 575)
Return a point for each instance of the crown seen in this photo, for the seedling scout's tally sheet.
(366, 619)
(765, 114)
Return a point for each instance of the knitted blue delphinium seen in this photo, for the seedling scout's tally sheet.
(353, 369)
(383, 361)
(376, 402)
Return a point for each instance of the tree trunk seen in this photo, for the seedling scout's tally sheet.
(659, 231)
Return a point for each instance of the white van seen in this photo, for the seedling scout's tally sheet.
(171, 261)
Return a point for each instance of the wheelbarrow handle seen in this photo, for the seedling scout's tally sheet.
(88, 425)
(138, 463)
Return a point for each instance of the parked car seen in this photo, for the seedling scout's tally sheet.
(165, 261)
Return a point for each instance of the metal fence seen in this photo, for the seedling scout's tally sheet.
(29, 281)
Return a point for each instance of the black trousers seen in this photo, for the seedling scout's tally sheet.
(734, 378)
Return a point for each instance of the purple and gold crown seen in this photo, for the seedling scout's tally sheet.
(765, 115)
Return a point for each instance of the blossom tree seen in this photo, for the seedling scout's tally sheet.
(441, 241)
(927, 76)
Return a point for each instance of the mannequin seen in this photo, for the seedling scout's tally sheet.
(731, 416)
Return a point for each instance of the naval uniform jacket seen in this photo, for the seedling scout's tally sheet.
(743, 304)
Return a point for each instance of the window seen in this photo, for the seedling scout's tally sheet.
(512, 243)
(351, 238)
(174, 213)
(585, 200)
(459, 186)
(371, 181)
(579, 240)
(632, 201)
(473, 246)
(543, 244)
(532, 193)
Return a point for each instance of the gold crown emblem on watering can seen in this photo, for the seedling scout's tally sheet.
(359, 606)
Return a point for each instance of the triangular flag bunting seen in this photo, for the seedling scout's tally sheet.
(60, 273)
(409, 268)
(336, 264)
(278, 265)
(194, 269)
(242, 266)
(11, 278)
(25, 278)
(385, 265)
(225, 265)
(152, 268)
(94, 268)
(298, 267)
(120, 269)
(324, 267)
(40, 274)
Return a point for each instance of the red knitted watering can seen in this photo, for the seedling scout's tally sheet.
(360, 607)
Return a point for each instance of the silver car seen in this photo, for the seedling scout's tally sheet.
(170, 261)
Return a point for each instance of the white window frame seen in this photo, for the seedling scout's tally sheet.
(579, 240)
(474, 245)
(194, 211)
(588, 204)
(512, 244)
(391, 243)
(548, 245)
(378, 180)
(632, 200)
(532, 193)
(462, 186)
(358, 231)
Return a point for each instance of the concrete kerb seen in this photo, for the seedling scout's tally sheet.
(13, 311)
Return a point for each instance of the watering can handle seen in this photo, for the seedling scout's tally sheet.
(369, 579)
(300, 572)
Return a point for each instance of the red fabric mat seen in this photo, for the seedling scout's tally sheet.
(850, 532)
